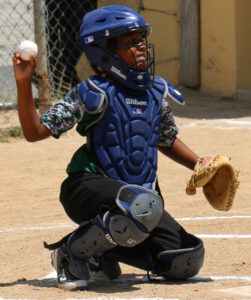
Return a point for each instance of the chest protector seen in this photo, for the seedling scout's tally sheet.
(126, 133)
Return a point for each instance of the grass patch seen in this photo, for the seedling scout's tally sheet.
(226, 98)
(16, 132)
(3, 139)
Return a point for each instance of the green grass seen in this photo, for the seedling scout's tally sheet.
(16, 132)
(3, 139)
(226, 98)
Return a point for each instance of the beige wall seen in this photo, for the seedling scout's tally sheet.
(162, 16)
(225, 45)
(243, 41)
(218, 46)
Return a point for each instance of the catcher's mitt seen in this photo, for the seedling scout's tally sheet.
(218, 178)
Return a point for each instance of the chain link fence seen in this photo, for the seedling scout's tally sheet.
(54, 26)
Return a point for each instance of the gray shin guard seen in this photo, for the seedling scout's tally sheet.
(141, 210)
(180, 263)
(91, 241)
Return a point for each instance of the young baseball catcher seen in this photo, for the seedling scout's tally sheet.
(112, 189)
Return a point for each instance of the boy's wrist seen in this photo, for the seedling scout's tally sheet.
(23, 82)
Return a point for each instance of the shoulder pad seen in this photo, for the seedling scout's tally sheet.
(92, 96)
(173, 93)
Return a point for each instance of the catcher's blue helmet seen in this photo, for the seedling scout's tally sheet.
(109, 22)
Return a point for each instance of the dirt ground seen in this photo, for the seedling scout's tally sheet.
(30, 212)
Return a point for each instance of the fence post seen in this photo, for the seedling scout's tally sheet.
(44, 83)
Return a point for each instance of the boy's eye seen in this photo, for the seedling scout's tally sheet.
(133, 42)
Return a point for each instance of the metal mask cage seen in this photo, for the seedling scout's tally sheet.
(150, 59)
(144, 79)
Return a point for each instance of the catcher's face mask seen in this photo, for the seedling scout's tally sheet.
(134, 49)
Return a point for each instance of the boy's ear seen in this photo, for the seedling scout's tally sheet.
(112, 44)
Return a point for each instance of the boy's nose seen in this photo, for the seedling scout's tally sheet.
(141, 46)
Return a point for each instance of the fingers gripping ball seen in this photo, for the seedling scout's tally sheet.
(219, 180)
(25, 48)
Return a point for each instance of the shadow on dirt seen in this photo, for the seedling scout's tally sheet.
(202, 105)
(125, 284)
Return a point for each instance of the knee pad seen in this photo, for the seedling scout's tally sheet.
(181, 263)
(141, 210)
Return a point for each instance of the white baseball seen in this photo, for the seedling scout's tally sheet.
(25, 48)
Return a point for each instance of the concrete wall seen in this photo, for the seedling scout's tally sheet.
(162, 16)
(243, 43)
(218, 46)
(225, 45)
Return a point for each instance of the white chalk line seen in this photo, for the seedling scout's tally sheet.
(115, 298)
(224, 236)
(222, 124)
(58, 226)
(34, 228)
(102, 298)
(53, 276)
(212, 218)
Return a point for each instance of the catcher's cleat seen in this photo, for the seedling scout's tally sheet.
(103, 268)
(71, 274)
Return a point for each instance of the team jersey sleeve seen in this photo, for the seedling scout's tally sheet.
(168, 129)
(65, 114)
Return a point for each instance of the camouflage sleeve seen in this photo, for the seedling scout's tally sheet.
(168, 129)
(65, 114)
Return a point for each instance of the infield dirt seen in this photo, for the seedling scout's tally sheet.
(31, 174)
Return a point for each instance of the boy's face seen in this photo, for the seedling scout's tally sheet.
(131, 48)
